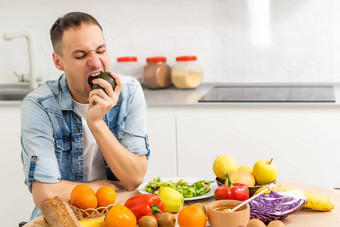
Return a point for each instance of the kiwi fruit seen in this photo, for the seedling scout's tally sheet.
(166, 220)
(147, 221)
(106, 76)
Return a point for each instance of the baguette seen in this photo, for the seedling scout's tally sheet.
(58, 213)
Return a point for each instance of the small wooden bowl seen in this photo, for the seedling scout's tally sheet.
(237, 218)
(252, 190)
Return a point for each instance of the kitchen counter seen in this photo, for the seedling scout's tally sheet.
(304, 217)
(173, 96)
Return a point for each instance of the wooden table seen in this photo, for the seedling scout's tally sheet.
(304, 217)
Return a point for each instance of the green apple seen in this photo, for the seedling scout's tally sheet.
(265, 171)
(172, 199)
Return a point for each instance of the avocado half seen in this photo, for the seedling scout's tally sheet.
(106, 76)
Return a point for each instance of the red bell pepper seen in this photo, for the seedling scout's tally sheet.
(234, 191)
(145, 204)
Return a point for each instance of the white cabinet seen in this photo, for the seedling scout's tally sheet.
(162, 138)
(303, 140)
(17, 203)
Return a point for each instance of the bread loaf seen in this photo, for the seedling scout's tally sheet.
(58, 213)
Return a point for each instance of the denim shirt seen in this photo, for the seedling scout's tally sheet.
(52, 137)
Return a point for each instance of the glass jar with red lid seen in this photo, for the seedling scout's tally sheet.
(128, 66)
(187, 72)
(157, 74)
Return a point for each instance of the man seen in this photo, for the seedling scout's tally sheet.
(72, 134)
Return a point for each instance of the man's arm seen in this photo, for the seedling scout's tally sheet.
(63, 189)
(128, 167)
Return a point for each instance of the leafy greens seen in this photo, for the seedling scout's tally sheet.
(198, 188)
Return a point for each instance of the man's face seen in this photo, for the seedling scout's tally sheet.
(84, 53)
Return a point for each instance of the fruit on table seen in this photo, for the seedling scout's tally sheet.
(84, 197)
(166, 220)
(265, 171)
(172, 199)
(145, 204)
(202, 206)
(234, 191)
(119, 216)
(278, 187)
(255, 223)
(276, 223)
(106, 76)
(147, 221)
(315, 201)
(243, 177)
(248, 168)
(192, 216)
(223, 164)
(91, 223)
(106, 196)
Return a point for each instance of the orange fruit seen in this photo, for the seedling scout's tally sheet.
(83, 197)
(80, 187)
(119, 216)
(106, 196)
(192, 216)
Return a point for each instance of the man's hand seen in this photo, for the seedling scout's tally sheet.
(102, 101)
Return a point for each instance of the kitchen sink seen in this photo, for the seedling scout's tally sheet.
(14, 92)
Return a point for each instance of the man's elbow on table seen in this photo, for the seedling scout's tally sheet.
(131, 186)
(42, 191)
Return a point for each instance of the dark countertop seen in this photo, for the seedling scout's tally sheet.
(173, 96)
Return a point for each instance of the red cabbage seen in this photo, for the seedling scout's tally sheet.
(275, 206)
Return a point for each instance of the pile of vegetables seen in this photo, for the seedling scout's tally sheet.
(199, 188)
(276, 205)
(149, 210)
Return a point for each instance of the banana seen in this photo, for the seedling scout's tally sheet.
(315, 201)
(91, 223)
(277, 187)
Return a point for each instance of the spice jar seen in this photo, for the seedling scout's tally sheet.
(187, 72)
(157, 74)
(128, 66)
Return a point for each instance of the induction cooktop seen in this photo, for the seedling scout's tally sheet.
(270, 94)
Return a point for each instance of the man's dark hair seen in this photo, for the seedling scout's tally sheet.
(69, 20)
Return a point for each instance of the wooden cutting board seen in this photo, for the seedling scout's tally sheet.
(40, 221)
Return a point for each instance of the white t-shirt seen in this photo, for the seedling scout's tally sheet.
(94, 166)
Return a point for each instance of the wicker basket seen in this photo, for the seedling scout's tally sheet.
(91, 212)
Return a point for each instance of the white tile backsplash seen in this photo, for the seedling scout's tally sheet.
(299, 39)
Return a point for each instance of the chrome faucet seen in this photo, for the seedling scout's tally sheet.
(31, 74)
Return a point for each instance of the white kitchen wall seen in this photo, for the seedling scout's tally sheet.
(235, 40)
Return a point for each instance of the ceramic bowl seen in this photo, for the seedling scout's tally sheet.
(239, 218)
